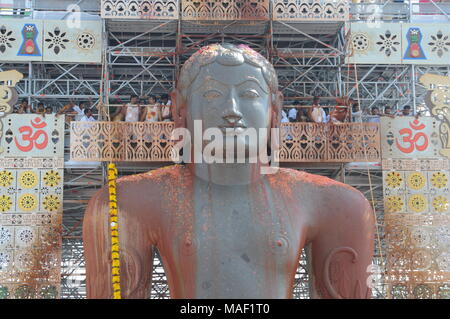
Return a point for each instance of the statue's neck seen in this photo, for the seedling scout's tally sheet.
(227, 174)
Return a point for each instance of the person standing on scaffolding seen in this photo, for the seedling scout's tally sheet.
(129, 111)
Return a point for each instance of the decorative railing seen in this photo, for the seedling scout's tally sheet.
(149, 142)
(225, 10)
(282, 10)
(140, 9)
(310, 142)
(294, 10)
(121, 141)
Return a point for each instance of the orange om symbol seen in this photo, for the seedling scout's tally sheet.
(411, 140)
(32, 138)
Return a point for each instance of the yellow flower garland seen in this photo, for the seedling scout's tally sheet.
(114, 223)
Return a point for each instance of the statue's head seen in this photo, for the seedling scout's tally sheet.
(227, 86)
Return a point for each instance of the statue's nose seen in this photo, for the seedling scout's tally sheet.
(232, 117)
(231, 113)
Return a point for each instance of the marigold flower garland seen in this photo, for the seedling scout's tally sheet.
(114, 223)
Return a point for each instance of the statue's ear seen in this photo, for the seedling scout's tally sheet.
(179, 108)
(277, 104)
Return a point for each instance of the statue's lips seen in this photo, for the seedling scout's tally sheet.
(233, 129)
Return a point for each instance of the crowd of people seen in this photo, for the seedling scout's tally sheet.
(25, 108)
(346, 110)
(158, 109)
(149, 109)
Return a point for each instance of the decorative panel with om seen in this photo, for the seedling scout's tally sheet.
(21, 40)
(410, 137)
(416, 183)
(31, 191)
(139, 9)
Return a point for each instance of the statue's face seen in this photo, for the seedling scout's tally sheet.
(231, 98)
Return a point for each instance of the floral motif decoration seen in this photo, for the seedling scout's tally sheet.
(443, 261)
(5, 258)
(6, 39)
(396, 236)
(51, 203)
(6, 178)
(423, 292)
(28, 179)
(85, 41)
(444, 291)
(421, 259)
(5, 203)
(399, 292)
(44, 190)
(417, 203)
(26, 236)
(439, 43)
(27, 202)
(24, 261)
(393, 179)
(394, 204)
(5, 236)
(57, 40)
(440, 204)
(443, 235)
(439, 180)
(52, 178)
(388, 43)
(420, 237)
(360, 42)
(416, 181)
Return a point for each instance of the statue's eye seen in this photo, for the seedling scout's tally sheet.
(212, 94)
(250, 94)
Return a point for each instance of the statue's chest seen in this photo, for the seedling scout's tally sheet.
(240, 227)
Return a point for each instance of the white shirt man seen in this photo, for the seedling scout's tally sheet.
(165, 110)
(293, 114)
(132, 114)
(80, 112)
(86, 118)
(319, 115)
(284, 117)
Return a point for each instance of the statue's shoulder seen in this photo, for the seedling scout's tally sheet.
(289, 178)
(158, 177)
(330, 194)
(296, 177)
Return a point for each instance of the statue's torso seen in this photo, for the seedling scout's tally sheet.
(232, 242)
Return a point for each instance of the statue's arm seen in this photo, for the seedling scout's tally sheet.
(136, 253)
(341, 245)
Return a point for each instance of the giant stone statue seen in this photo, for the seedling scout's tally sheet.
(224, 230)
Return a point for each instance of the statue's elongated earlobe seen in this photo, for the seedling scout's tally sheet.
(178, 108)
